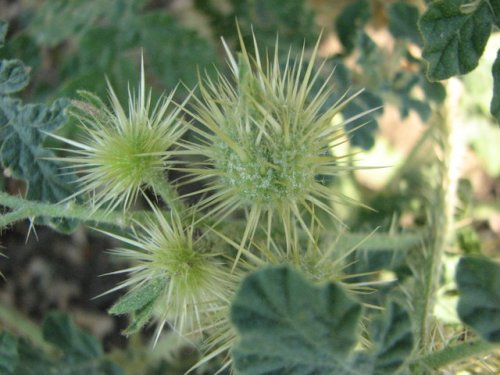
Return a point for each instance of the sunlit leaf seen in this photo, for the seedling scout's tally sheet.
(455, 35)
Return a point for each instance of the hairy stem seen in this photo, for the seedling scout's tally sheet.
(442, 202)
(24, 209)
(453, 354)
(168, 194)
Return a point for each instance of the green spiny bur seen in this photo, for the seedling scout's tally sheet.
(140, 297)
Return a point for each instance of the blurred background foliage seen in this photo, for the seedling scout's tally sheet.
(73, 45)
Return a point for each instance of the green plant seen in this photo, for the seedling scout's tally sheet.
(230, 201)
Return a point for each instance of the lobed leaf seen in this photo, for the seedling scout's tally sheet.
(393, 339)
(455, 35)
(22, 131)
(289, 326)
(77, 352)
(352, 19)
(60, 331)
(495, 101)
(478, 281)
(403, 18)
(14, 76)
(362, 131)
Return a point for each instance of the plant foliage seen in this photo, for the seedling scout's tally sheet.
(289, 326)
(478, 281)
(75, 352)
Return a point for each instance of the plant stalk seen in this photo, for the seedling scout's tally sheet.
(25, 209)
(442, 201)
(453, 354)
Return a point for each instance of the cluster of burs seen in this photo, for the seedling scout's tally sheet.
(253, 150)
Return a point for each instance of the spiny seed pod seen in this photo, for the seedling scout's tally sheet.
(266, 137)
(122, 152)
(189, 285)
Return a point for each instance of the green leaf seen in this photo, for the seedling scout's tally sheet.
(434, 91)
(289, 326)
(60, 331)
(362, 131)
(9, 355)
(3, 32)
(393, 339)
(181, 53)
(77, 353)
(403, 18)
(455, 35)
(292, 20)
(495, 101)
(350, 21)
(58, 20)
(478, 281)
(22, 128)
(140, 318)
(139, 297)
(14, 76)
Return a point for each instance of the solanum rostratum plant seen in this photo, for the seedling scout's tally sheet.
(245, 253)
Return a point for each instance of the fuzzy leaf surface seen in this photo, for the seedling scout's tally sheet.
(478, 281)
(22, 128)
(139, 297)
(403, 19)
(455, 35)
(82, 353)
(495, 101)
(76, 352)
(289, 326)
(14, 76)
(393, 339)
(9, 355)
